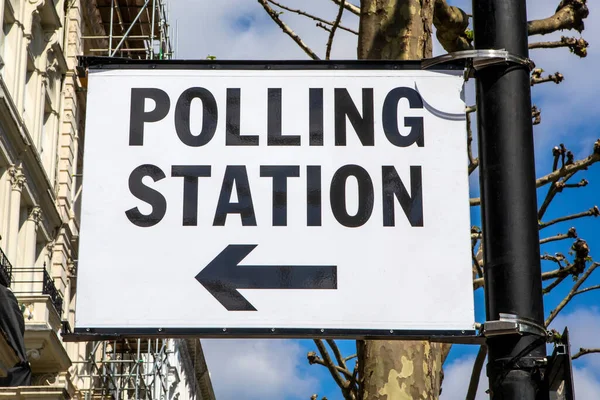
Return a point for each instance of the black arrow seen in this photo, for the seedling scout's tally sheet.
(223, 276)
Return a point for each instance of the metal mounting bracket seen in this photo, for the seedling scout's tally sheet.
(479, 59)
(510, 324)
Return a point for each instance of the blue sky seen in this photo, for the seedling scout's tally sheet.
(277, 369)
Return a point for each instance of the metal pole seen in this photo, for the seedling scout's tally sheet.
(152, 30)
(512, 269)
(139, 14)
(110, 37)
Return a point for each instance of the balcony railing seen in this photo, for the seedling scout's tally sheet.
(5, 270)
(51, 290)
(32, 281)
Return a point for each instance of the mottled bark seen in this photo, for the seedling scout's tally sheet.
(451, 27)
(401, 370)
(398, 370)
(395, 29)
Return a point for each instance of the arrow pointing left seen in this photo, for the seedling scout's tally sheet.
(223, 276)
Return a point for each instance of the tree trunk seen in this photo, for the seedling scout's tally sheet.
(395, 29)
(398, 370)
(401, 370)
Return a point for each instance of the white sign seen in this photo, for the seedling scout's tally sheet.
(280, 199)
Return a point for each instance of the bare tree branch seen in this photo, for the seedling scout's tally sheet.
(311, 16)
(582, 352)
(577, 46)
(476, 373)
(322, 26)
(477, 266)
(451, 25)
(349, 6)
(473, 162)
(592, 212)
(287, 30)
(536, 77)
(566, 170)
(536, 115)
(552, 191)
(554, 284)
(569, 15)
(333, 29)
(336, 352)
(313, 358)
(571, 293)
(558, 258)
(328, 362)
(595, 287)
(557, 273)
(571, 234)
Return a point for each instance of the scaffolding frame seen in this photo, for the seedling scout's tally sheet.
(137, 29)
(129, 369)
(140, 368)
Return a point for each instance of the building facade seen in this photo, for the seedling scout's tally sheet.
(42, 121)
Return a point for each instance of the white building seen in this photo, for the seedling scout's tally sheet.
(42, 114)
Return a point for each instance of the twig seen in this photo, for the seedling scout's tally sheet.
(595, 287)
(571, 234)
(571, 293)
(556, 175)
(320, 25)
(333, 29)
(554, 284)
(349, 6)
(473, 162)
(536, 77)
(569, 16)
(536, 115)
(558, 258)
(353, 382)
(332, 367)
(592, 212)
(350, 357)
(478, 267)
(582, 352)
(557, 152)
(557, 273)
(476, 373)
(337, 354)
(552, 191)
(577, 46)
(313, 358)
(313, 17)
(287, 30)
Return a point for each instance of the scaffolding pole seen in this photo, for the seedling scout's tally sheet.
(138, 369)
(140, 29)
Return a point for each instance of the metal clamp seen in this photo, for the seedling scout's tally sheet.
(510, 324)
(480, 58)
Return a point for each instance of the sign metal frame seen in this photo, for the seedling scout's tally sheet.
(111, 63)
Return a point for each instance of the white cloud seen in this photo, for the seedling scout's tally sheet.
(584, 331)
(587, 384)
(456, 380)
(241, 29)
(258, 369)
